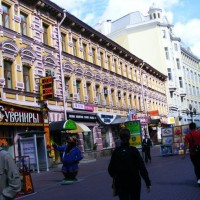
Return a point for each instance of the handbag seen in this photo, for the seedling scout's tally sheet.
(195, 148)
(114, 187)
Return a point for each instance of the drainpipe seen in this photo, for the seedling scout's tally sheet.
(147, 131)
(61, 66)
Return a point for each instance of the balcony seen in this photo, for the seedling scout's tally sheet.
(172, 86)
(182, 92)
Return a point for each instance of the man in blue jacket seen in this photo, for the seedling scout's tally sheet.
(71, 155)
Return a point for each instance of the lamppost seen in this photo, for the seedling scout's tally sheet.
(191, 112)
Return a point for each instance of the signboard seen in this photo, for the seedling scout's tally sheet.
(46, 88)
(133, 126)
(82, 117)
(135, 129)
(28, 149)
(135, 140)
(154, 113)
(80, 106)
(12, 116)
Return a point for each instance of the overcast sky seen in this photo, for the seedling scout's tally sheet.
(183, 14)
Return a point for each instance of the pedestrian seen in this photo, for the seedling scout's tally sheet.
(10, 182)
(127, 167)
(146, 148)
(192, 139)
(71, 155)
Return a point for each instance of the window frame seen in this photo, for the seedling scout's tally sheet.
(8, 84)
(27, 89)
(23, 22)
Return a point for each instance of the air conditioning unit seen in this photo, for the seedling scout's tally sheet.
(86, 98)
(105, 91)
(119, 95)
(50, 72)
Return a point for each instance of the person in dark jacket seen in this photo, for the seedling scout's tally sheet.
(146, 148)
(127, 167)
(10, 182)
(71, 155)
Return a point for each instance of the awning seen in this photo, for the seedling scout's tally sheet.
(120, 120)
(70, 126)
(63, 125)
(84, 127)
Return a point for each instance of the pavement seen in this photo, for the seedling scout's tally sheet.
(172, 179)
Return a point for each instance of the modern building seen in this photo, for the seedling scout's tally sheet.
(96, 82)
(152, 38)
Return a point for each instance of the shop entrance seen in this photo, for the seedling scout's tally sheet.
(33, 145)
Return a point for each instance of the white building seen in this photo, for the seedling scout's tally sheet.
(151, 38)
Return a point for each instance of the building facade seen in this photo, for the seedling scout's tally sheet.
(152, 38)
(96, 82)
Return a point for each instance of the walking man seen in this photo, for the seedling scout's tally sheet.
(127, 167)
(192, 139)
(146, 148)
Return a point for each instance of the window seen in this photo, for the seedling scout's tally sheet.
(63, 37)
(67, 79)
(178, 63)
(169, 74)
(26, 78)
(98, 95)
(180, 82)
(23, 24)
(5, 16)
(74, 46)
(102, 60)
(115, 65)
(88, 89)
(166, 53)
(93, 56)
(45, 34)
(109, 63)
(78, 89)
(8, 74)
(164, 33)
(84, 51)
(175, 46)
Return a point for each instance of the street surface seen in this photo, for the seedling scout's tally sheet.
(172, 179)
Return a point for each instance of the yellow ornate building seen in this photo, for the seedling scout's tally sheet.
(96, 81)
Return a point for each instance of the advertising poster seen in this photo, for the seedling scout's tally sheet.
(166, 150)
(167, 140)
(135, 130)
(177, 133)
(134, 127)
(136, 141)
(166, 132)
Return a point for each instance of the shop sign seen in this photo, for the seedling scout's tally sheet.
(144, 120)
(133, 126)
(107, 119)
(82, 117)
(46, 88)
(13, 116)
(154, 113)
(80, 106)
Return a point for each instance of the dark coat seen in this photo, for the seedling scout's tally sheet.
(127, 167)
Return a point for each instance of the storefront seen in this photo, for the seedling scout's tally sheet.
(110, 124)
(15, 119)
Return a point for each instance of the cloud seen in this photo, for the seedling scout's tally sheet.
(189, 34)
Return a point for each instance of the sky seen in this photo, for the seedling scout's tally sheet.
(183, 14)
